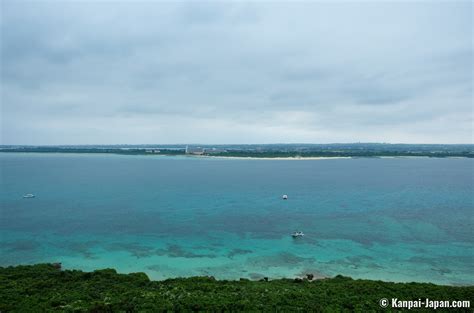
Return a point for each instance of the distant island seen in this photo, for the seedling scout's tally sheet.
(46, 287)
(265, 151)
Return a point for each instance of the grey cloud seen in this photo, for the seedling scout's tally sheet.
(215, 73)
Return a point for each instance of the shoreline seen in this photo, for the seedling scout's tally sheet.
(270, 158)
(294, 158)
(308, 277)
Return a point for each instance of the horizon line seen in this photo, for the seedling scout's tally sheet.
(233, 144)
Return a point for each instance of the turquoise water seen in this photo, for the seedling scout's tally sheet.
(395, 219)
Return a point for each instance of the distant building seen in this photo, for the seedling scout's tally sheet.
(194, 150)
(152, 151)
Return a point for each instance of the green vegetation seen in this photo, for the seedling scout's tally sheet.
(45, 287)
(127, 151)
(266, 151)
(360, 154)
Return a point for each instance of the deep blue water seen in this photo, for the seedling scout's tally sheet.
(397, 219)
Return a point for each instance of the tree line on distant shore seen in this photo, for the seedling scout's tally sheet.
(270, 153)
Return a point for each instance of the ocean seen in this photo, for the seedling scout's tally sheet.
(393, 219)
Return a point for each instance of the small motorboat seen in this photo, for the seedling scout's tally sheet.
(29, 195)
(297, 234)
(285, 197)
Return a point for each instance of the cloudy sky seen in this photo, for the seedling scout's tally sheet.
(241, 72)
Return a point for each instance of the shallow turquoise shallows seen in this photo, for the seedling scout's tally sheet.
(396, 219)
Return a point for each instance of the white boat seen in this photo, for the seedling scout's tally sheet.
(297, 234)
(285, 197)
(29, 195)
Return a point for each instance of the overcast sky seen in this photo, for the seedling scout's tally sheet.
(240, 72)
